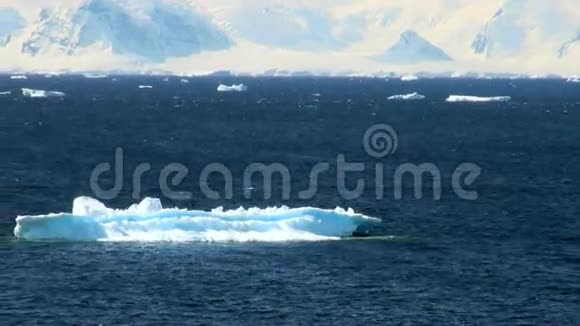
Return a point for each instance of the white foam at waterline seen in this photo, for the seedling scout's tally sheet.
(232, 88)
(407, 97)
(38, 93)
(469, 98)
(91, 220)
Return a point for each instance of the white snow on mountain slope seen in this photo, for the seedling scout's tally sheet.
(10, 22)
(311, 36)
(411, 49)
(537, 27)
(153, 30)
(285, 27)
(568, 45)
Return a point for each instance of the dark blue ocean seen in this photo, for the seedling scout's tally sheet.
(509, 257)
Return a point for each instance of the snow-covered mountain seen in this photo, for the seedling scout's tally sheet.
(526, 25)
(156, 31)
(10, 22)
(412, 49)
(285, 27)
(568, 45)
(315, 36)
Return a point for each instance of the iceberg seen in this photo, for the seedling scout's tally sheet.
(91, 220)
(95, 76)
(407, 97)
(145, 86)
(18, 77)
(573, 79)
(409, 78)
(466, 98)
(233, 88)
(5, 93)
(35, 93)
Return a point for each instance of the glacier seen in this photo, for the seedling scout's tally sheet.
(469, 98)
(407, 97)
(91, 220)
(232, 88)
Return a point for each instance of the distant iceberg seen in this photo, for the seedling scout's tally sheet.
(466, 98)
(145, 86)
(233, 88)
(18, 77)
(91, 220)
(409, 78)
(407, 97)
(95, 76)
(185, 81)
(37, 93)
(573, 79)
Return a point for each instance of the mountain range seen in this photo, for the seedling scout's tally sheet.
(318, 36)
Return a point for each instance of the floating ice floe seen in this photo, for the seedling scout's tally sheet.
(185, 81)
(36, 93)
(407, 97)
(409, 78)
(573, 79)
(145, 86)
(466, 98)
(5, 93)
(95, 76)
(90, 220)
(18, 77)
(232, 88)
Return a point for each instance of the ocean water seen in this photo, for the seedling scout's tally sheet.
(509, 257)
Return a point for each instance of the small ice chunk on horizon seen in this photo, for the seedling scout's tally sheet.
(145, 86)
(39, 93)
(409, 78)
(95, 76)
(407, 97)
(573, 79)
(18, 77)
(477, 99)
(232, 88)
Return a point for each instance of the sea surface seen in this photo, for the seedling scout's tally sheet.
(510, 257)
